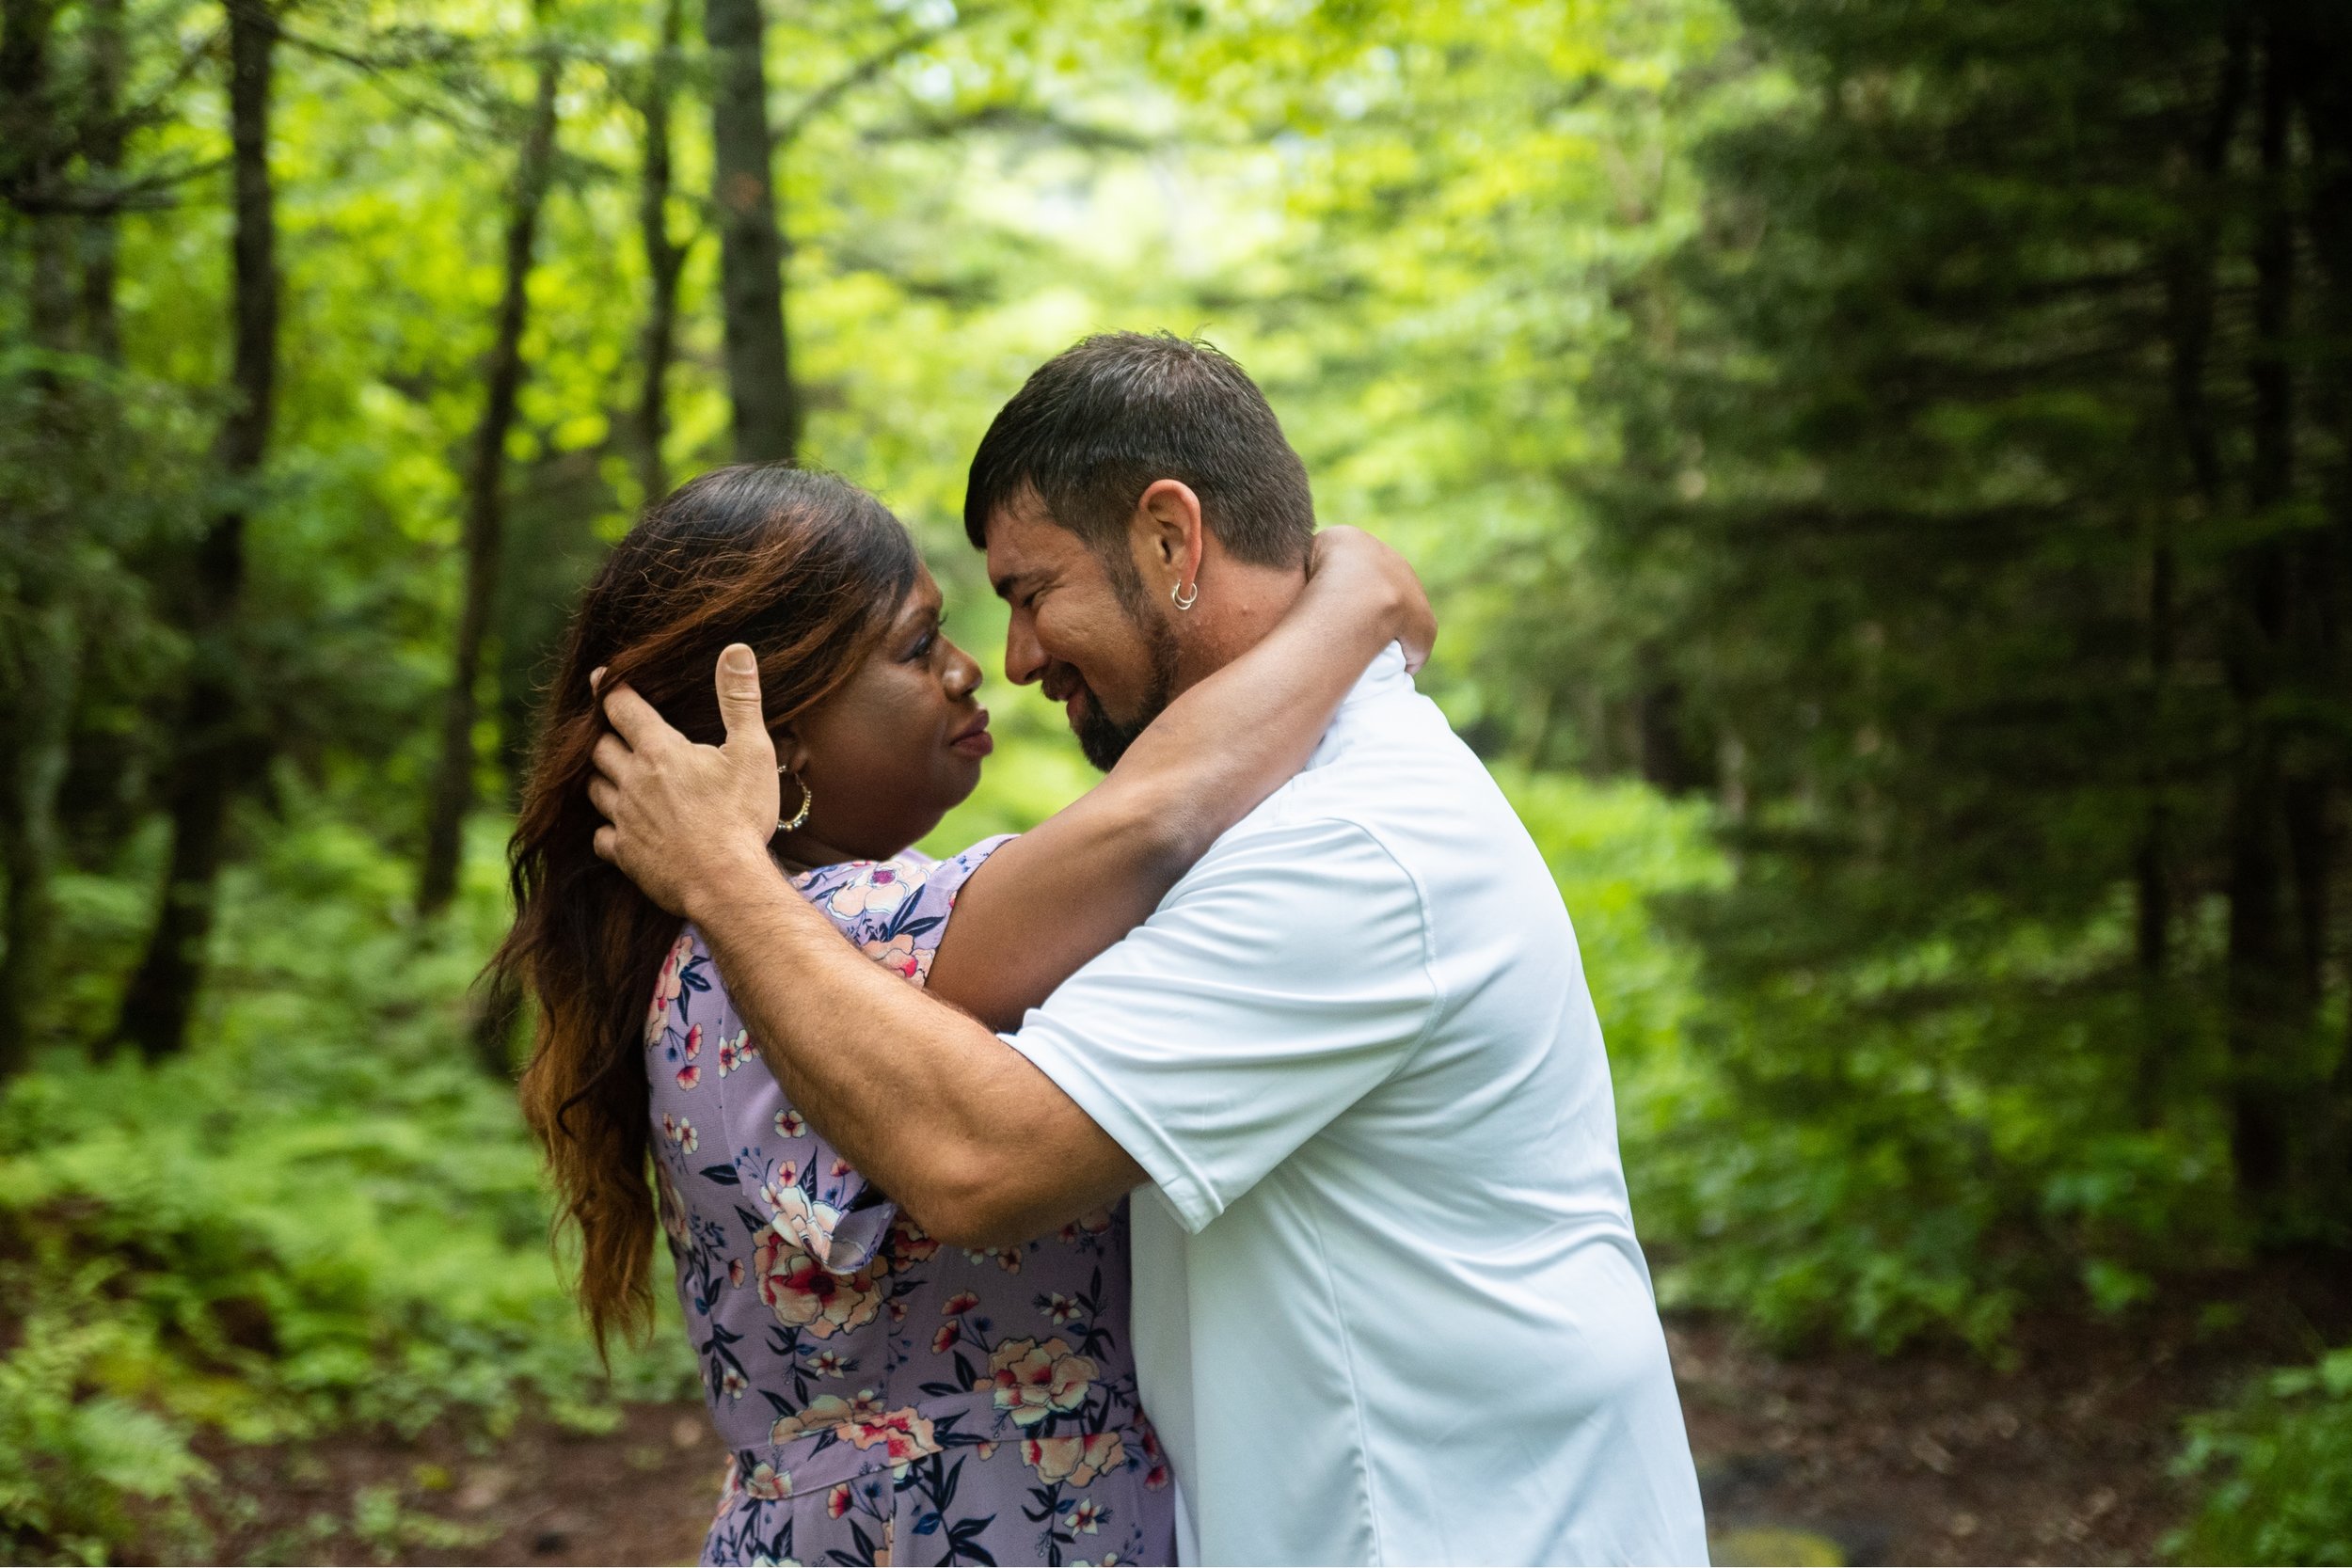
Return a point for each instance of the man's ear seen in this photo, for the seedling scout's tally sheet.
(1167, 535)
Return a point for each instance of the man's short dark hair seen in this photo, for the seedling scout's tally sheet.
(1103, 420)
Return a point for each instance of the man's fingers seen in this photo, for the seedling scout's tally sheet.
(604, 795)
(636, 719)
(613, 758)
(739, 705)
(608, 842)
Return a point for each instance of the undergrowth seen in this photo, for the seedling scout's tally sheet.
(323, 1214)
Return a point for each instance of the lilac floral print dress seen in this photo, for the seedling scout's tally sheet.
(887, 1399)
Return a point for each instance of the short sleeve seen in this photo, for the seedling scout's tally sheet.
(896, 911)
(1284, 978)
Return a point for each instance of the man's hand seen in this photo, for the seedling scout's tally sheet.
(682, 818)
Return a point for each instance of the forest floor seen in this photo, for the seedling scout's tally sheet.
(2062, 1455)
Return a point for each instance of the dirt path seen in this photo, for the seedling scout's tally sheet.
(2062, 1457)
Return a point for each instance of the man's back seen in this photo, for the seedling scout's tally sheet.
(1391, 1308)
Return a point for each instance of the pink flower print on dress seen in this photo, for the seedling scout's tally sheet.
(901, 1434)
(1033, 1381)
(962, 1302)
(789, 1125)
(828, 1412)
(1087, 1516)
(803, 1294)
(877, 889)
(767, 1482)
(734, 1053)
(838, 1500)
(672, 1208)
(806, 1220)
(686, 1137)
(1155, 1463)
(899, 956)
(828, 1364)
(735, 1273)
(908, 1241)
(666, 984)
(945, 1341)
(1063, 1310)
(1075, 1460)
(688, 1076)
(693, 1042)
(731, 1384)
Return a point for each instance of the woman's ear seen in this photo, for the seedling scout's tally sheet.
(791, 754)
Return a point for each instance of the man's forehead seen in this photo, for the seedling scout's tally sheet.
(1024, 541)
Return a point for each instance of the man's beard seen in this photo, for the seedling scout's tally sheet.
(1101, 738)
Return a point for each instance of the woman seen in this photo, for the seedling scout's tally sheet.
(885, 1399)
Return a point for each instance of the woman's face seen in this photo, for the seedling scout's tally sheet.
(889, 754)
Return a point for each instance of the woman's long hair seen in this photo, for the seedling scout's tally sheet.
(807, 569)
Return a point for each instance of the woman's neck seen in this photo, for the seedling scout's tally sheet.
(804, 851)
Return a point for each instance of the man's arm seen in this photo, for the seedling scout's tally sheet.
(978, 1145)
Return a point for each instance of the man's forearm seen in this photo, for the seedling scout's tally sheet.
(930, 1106)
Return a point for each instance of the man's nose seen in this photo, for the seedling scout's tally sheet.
(1025, 659)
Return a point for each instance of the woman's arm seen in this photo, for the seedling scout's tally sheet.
(1053, 898)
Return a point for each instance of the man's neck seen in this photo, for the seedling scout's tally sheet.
(1239, 604)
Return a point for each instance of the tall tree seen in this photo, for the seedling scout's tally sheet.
(751, 251)
(1977, 444)
(665, 258)
(485, 495)
(39, 653)
(103, 139)
(211, 742)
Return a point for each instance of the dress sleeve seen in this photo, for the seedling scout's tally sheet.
(895, 911)
(1284, 978)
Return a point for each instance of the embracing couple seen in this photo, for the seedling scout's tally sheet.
(1292, 974)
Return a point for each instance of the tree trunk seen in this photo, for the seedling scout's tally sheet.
(751, 243)
(452, 790)
(212, 744)
(664, 259)
(2262, 995)
(2188, 330)
(102, 143)
(2323, 50)
(36, 701)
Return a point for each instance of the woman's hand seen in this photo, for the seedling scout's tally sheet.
(1351, 563)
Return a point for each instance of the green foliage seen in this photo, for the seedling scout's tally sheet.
(71, 1459)
(319, 1215)
(2280, 1464)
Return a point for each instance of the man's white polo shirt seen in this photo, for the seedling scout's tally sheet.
(1388, 1303)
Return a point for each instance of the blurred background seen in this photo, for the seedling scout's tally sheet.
(1885, 465)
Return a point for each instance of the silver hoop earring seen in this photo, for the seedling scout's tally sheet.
(808, 799)
(1181, 600)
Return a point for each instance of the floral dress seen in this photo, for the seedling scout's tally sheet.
(886, 1398)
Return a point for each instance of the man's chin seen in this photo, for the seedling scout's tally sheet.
(1102, 738)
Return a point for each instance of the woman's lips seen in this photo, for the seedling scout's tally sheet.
(975, 741)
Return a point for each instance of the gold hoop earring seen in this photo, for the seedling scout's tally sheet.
(1181, 600)
(808, 799)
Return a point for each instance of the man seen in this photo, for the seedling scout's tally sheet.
(1388, 1303)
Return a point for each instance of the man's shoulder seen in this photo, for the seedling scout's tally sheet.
(1393, 768)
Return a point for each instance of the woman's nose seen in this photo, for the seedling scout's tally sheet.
(964, 674)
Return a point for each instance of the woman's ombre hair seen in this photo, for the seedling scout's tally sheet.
(809, 570)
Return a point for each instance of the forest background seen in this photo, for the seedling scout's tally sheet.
(1886, 470)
